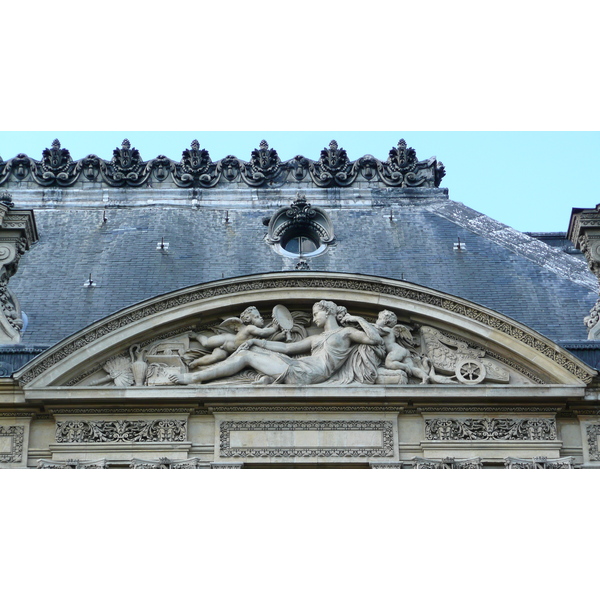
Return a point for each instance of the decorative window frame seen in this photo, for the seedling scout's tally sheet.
(305, 219)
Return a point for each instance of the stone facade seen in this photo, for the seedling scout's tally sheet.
(265, 313)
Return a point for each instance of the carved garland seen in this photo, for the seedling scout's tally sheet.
(490, 429)
(68, 432)
(17, 434)
(452, 306)
(226, 451)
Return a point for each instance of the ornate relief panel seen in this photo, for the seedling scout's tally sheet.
(330, 330)
(306, 438)
(11, 443)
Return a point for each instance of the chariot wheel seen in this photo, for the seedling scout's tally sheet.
(470, 371)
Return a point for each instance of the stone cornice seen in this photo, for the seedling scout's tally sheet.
(324, 284)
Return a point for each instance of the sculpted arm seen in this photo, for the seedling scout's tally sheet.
(369, 335)
(293, 348)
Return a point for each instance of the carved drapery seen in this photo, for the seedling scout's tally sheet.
(196, 168)
(121, 431)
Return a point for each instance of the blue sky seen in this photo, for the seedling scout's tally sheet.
(528, 180)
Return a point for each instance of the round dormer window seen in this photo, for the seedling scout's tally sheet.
(300, 230)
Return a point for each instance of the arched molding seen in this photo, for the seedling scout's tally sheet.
(180, 310)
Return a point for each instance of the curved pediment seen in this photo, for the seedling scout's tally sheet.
(195, 335)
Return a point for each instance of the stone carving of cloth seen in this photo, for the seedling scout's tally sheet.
(331, 364)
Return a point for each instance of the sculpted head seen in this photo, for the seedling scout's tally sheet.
(387, 318)
(252, 316)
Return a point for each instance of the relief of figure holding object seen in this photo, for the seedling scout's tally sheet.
(400, 358)
(397, 356)
(249, 325)
(329, 354)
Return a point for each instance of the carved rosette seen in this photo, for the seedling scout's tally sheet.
(126, 167)
(444, 429)
(264, 165)
(196, 168)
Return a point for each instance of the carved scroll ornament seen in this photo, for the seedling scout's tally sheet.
(196, 169)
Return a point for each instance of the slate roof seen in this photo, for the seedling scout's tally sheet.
(220, 234)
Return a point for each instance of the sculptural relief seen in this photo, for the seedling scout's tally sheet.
(337, 349)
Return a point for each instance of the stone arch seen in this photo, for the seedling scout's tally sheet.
(177, 311)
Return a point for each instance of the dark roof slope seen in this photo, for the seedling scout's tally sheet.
(397, 233)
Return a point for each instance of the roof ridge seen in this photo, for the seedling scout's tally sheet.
(536, 251)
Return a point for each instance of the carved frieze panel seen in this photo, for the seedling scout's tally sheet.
(593, 437)
(447, 463)
(306, 439)
(158, 430)
(11, 443)
(72, 463)
(166, 463)
(539, 462)
(490, 429)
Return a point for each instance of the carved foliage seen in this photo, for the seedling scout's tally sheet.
(539, 462)
(264, 165)
(447, 463)
(490, 429)
(196, 168)
(165, 463)
(403, 169)
(16, 434)
(56, 167)
(592, 432)
(163, 430)
(126, 167)
(333, 168)
(226, 451)
(73, 463)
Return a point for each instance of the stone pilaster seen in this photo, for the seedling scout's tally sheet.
(584, 233)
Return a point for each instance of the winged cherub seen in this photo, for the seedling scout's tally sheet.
(397, 356)
(250, 325)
